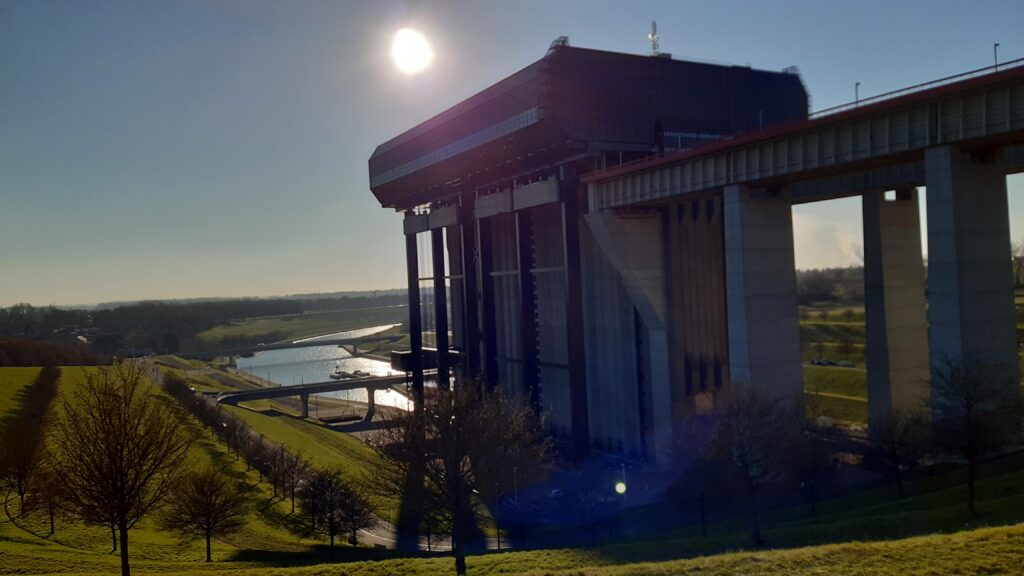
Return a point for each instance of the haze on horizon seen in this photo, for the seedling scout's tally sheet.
(177, 150)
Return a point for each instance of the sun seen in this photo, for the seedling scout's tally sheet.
(411, 51)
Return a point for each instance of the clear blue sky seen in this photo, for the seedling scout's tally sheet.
(214, 148)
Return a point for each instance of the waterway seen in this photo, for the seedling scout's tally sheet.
(315, 364)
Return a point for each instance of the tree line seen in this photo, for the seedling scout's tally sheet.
(21, 352)
(159, 326)
(328, 500)
(831, 286)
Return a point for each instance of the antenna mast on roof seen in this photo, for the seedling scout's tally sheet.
(653, 37)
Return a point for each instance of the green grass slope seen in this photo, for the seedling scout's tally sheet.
(868, 532)
(74, 544)
(324, 447)
(982, 551)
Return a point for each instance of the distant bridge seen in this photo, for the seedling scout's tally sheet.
(370, 384)
(286, 345)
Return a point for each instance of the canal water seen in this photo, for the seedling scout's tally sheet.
(315, 364)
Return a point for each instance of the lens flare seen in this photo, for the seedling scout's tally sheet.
(411, 51)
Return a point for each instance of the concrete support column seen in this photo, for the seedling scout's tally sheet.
(371, 404)
(897, 329)
(440, 306)
(304, 401)
(415, 322)
(760, 280)
(970, 276)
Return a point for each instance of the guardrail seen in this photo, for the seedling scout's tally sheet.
(918, 87)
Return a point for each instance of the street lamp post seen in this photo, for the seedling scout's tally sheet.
(995, 55)
(856, 92)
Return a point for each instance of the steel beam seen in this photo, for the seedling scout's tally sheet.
(574, 314)
(415, 322)
(528, 307)
(440, 306)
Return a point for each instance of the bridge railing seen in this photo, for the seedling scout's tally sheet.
(919, 87)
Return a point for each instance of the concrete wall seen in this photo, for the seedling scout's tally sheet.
(634, 246)
(699, 326)
(610, 338)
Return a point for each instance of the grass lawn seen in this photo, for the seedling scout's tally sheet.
(870, 522)
(12, 380)
(75, 544)
(307, 325)
(324, 447)
(839, 393)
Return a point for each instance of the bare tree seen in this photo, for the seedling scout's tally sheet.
(810, 454)
(1018, 262)
(976, 411)
(334, 504)
(205, 503)
(356, 512)
(819, 349)
(294, 472)
(462, 444)
(46, 491)
(845, 349)
(899, 441)
(117, 449)
(757, 437)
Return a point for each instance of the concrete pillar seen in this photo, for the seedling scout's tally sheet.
(371, 405)
(760, 280)
(895, 313)
(970, 276)
(635, 248)
(304, 401)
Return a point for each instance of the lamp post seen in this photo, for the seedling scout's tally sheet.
(995, 55)
(856, 93)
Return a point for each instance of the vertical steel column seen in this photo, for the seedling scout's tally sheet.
(571, 191)
(440, 306)
(528, 307)
(415, 322)
(490, 338)
(470, 313)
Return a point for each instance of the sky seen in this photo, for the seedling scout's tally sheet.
(154, 150)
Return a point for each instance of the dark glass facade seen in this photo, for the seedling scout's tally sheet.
(575, 102)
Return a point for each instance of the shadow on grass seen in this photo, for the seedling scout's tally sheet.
(936, 504)
(321, 554)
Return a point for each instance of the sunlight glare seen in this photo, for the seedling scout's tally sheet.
(411, 51)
